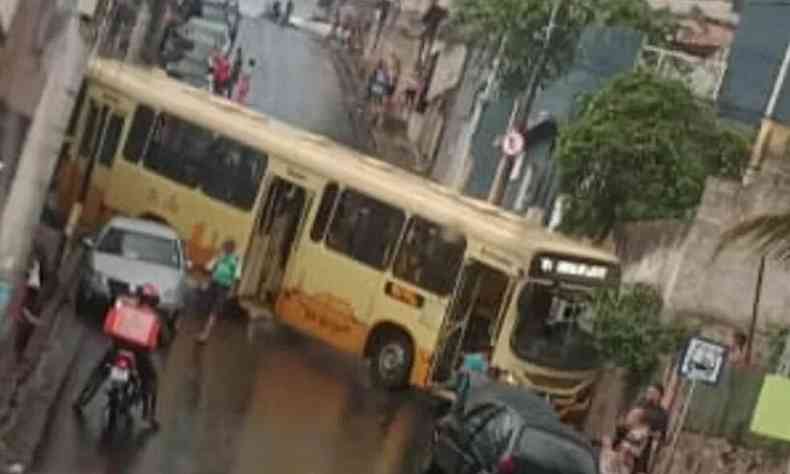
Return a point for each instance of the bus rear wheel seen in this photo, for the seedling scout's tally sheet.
(391, 361)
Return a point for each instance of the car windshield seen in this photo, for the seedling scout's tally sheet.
(555, 328)
(139, 246)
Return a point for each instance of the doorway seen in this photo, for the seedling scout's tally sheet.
(276, 233)
(472, 322)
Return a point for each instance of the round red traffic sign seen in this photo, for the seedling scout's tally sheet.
(513, 143)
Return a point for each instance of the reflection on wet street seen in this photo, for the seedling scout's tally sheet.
(281, 403)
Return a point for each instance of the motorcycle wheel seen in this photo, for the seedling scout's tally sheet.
(113, 413)
(89, 391)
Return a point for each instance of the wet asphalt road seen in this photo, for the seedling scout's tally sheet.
(295, 80)
(257, 401)
(272, 401)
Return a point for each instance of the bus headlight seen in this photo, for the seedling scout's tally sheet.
(508, 377)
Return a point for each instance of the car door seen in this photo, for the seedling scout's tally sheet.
(464, 443)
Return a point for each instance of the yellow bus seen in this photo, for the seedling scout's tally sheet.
(343, 247)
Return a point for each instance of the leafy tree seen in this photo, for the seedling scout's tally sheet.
(641, 148)
(522, 23)
(629, 331)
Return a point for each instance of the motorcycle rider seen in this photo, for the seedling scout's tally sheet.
(474, 371)
(147, 298)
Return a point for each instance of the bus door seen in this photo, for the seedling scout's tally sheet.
(473, 318)
(102, 130)
(275, 236)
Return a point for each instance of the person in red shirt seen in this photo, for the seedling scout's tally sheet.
(243, 85)
(146, 298)
(221, 69)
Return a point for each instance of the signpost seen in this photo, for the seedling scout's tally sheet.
(703, 361)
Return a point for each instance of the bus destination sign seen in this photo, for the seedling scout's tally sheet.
(565, 268)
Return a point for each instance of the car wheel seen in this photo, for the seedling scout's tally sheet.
(391, 361)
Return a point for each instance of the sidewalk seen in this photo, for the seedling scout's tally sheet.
(389, 142)
(31, 388)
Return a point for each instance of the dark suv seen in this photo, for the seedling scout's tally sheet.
(502, 429)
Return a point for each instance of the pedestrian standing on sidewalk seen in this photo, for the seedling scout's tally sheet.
(225, 271)
(378, 88)
(242, 90)
(27, 318)
(737, 347)
(657, 419)
(220, 67)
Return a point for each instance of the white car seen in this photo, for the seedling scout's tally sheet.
(128, 253)
(207, 34)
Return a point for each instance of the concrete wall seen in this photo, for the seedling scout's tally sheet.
(24, 64)
(678, 257)
(453, 160)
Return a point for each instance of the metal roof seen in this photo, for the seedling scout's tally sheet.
(754, 63)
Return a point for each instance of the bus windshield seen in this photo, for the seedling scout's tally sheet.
(554, 328)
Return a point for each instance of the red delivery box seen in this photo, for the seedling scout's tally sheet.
(133, 325)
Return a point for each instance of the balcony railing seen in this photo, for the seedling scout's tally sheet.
(703, 75)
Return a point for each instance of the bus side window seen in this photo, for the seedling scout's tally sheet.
(75, 112)
(365, 229)
(112, 135)
(430, 256)
(177, 150)
(136, 142)
(89, 131)
(232, 173)
(324, 212)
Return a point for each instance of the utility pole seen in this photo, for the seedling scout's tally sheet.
(767, 123)
(39, 155)
(523, 106)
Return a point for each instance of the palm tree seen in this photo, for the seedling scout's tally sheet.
(768, 234)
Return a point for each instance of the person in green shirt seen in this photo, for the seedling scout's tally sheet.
(225, 271)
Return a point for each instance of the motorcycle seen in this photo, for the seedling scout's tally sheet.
(124, 390)
(132, 328)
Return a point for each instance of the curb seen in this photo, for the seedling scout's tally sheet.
(45, 383)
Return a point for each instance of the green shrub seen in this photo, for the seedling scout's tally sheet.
(629, 331)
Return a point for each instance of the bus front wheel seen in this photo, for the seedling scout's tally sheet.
(391, 360)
